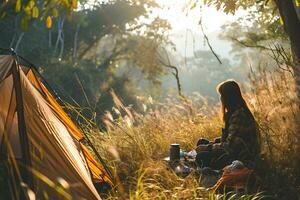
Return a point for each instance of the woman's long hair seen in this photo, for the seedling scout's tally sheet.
(231, 98)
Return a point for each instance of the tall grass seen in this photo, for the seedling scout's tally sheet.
(136, 143)
(274, 102)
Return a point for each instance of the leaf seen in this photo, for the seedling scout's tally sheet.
(24, 23)
(55, 12)
(193, 5)
(230, 7)
(35, 12)
(66, 3)
(74, 4)
(3, 15)
(49, 22)
(281, 21)
(297, 3)
(268, 2)
(27, 10)
(18, 6)
(31, 4)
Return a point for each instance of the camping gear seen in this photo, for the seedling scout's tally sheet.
(37, 133)
(235, 176)
(191, 154)
(235, 165)
(174, 152)
(183, 170)
(182, 162)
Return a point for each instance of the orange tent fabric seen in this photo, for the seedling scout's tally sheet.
(56, 107)
(54, 152)
(54, 140)
(96, 169)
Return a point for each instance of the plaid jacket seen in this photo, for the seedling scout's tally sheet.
(240, 136)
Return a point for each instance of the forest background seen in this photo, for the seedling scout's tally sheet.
(109, 59)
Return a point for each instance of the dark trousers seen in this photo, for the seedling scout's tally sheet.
(216, 159)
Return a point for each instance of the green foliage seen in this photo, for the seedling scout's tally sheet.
(84, 56)
(261, 24)
(45, 10)
(231, 6)
(36, 9)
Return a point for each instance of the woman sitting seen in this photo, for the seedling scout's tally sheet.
(239, 139)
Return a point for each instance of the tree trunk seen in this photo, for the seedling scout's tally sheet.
(291, 21)
(290, 15)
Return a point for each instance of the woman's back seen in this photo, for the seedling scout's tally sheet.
(240, 136)
(241, 140)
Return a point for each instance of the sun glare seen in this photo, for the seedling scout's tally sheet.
(181, 18)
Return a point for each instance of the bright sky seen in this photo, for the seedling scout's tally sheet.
(183, 19)
(174, 11)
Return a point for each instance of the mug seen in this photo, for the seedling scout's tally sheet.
(174, 152)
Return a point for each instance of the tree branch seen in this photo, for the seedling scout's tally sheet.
(208, 43)
(175, 73)
(243, 43)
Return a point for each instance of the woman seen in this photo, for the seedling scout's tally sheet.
(239, 139)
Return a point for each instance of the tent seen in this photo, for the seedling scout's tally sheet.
(36, 132)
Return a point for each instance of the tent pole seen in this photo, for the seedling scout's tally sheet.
(22, 129)
(21, 124)
(98, 156)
